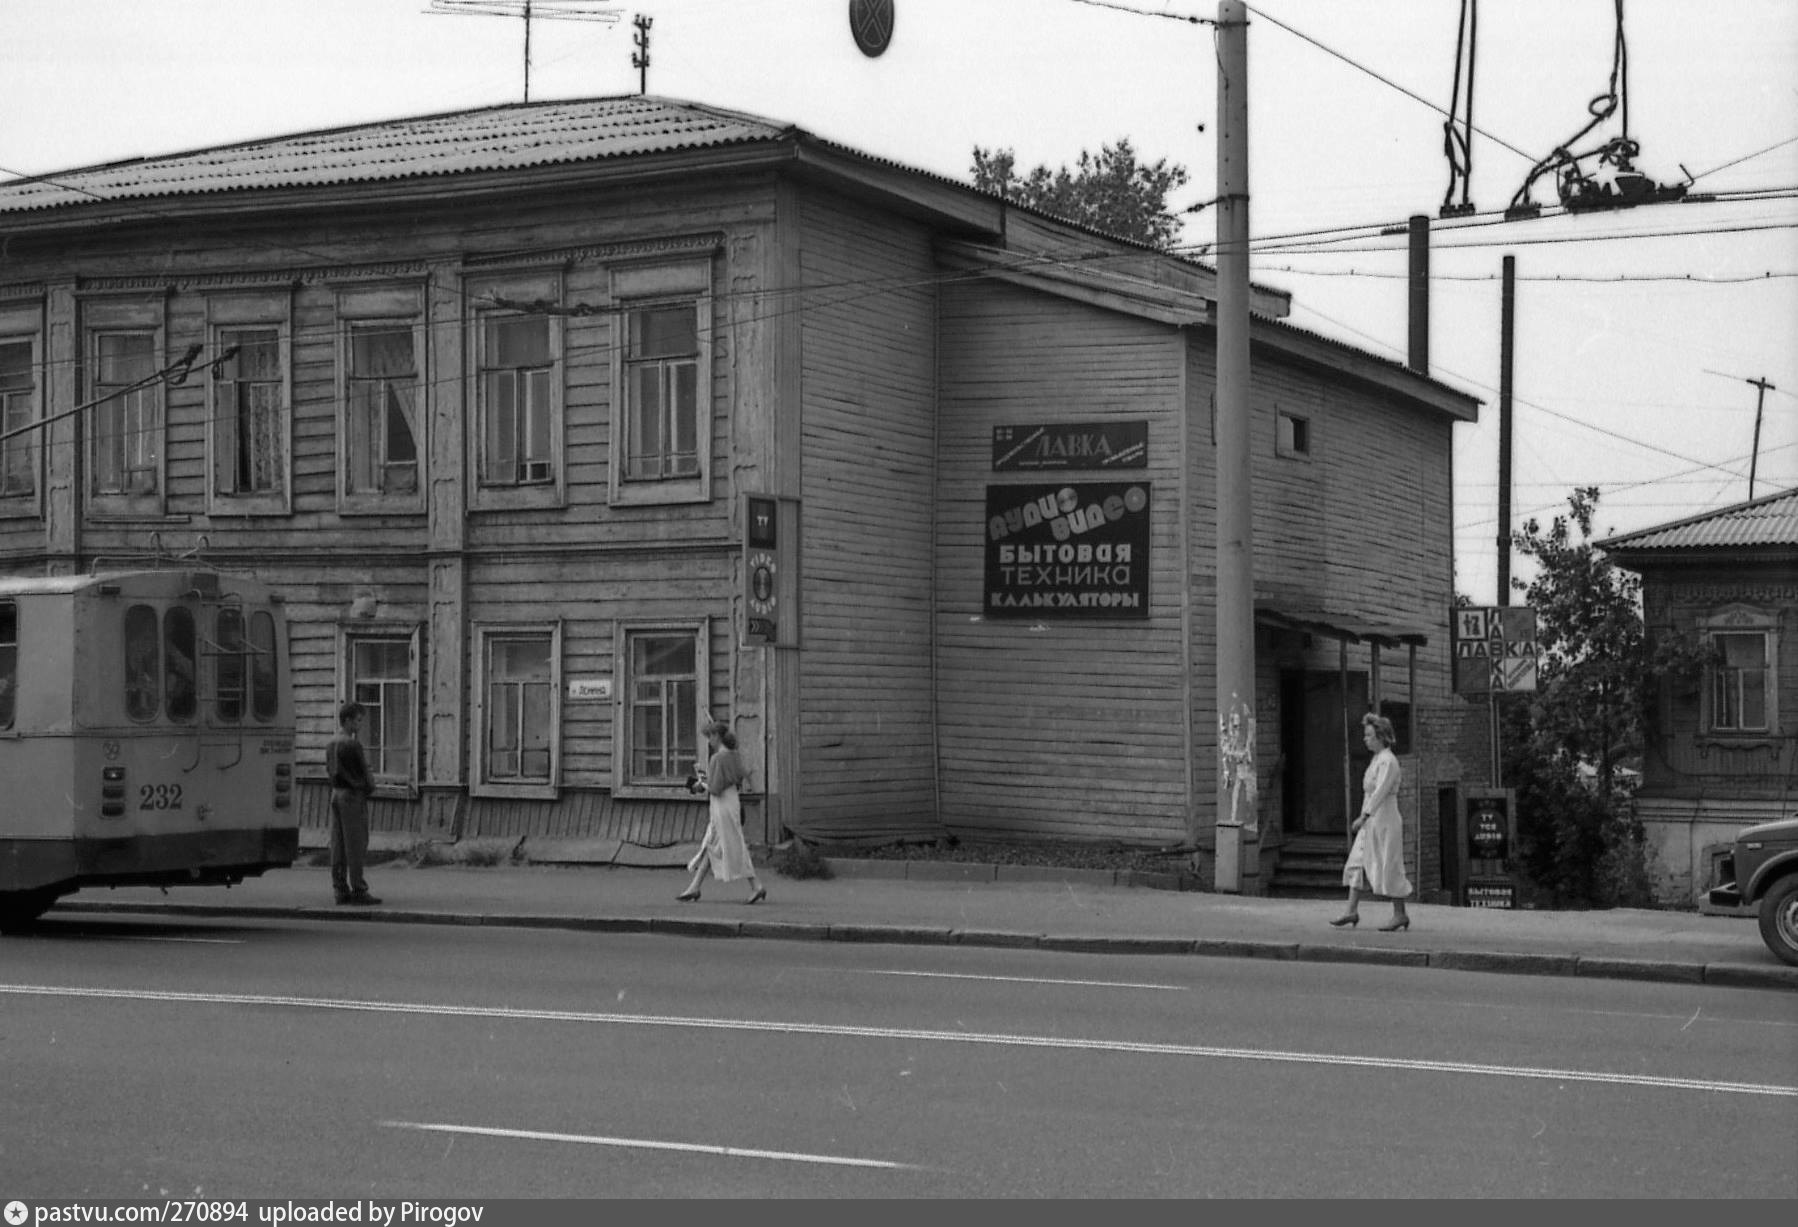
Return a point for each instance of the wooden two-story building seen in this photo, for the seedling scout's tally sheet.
(564, 424)
(1723, 749)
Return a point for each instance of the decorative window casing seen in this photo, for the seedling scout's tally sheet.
(124, 357)
(251, 419)
(516, 354)
(664, 683)
(662, 381)
(381, 672)
(517, 723)
(21, 409)
(1741, 691)
(381, 365)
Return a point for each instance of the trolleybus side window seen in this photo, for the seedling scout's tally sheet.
(9, 662)
(143, 671)
(231, 679)
(265, 698)
(178, 663)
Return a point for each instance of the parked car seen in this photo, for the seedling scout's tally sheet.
(1763, 868)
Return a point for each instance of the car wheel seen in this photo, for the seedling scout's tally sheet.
(1779, 918)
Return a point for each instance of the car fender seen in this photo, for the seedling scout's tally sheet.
(1768, 872)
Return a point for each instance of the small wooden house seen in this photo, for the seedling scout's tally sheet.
(1723, 753)
(562, 425)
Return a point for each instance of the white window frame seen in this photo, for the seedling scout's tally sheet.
(23, 326)
(1741, 620)
(393, 633)
(228, 316)
(624, 782)
(686, 282)
(483, 295)
(99, 318)
(485, 634)
(388, 308)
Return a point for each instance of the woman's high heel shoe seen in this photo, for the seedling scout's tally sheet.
(1398, 922)
(688, 896)
(1346, 922)
(759, 895)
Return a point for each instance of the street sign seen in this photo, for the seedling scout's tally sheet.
(1495, 649)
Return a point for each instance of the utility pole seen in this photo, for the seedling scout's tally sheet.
(1238, 833)
(1760, 402)
(1507, 329)
(640, 57)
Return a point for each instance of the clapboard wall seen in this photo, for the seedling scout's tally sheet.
(868, 395)
(1070, 729)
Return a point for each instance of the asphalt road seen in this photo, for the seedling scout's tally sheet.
(150, 1058)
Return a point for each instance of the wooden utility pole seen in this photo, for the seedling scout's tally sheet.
(1760, 403)
(1238, 833)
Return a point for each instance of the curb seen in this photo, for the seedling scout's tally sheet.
(1725, 975)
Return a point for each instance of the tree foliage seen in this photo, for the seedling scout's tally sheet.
(1599, 674)
(1110, 191)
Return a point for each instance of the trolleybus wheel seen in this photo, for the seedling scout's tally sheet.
(19, 908)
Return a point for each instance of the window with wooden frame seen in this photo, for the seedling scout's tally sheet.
(518, 392)
(19, 413)
(1741, 695)
(381, 398)
(518, 721)
(124, 368)
(251, 418)
(662, 374)
(1292, 435)
(381, 673)
(664, 684)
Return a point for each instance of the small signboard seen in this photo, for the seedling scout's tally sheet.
(1499, 895)
(1076, 550)
(589, 689)
(1042, 447)
(1495, 649)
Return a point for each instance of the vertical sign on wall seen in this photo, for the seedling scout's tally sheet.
(770, 570)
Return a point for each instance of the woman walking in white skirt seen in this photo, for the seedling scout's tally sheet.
(722, 853)
(1376, 862)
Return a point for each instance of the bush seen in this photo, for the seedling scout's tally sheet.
(798, 859)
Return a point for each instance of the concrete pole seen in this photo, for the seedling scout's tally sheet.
(1238, 833)
(1419, 355)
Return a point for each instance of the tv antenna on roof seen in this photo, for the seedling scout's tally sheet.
(551, 10)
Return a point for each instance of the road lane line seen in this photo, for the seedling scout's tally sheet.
(736, 1152)
(996, 1039)
(958, 975)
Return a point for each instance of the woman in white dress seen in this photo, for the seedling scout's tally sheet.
(1376, 862)
(722, 853)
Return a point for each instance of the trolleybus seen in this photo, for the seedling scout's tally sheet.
(146, 734)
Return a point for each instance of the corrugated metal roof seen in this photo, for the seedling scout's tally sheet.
(495, 138)
(1771, 520)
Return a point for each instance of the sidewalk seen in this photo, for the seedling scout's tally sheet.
(926, 902)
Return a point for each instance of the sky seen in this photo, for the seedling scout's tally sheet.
(1636, 332)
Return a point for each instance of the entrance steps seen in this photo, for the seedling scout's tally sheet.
(1310, 867)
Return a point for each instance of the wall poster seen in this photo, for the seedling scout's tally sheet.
(1068, 550)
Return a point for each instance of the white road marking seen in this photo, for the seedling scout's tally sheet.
(736, 1152)
(957, 975)
(996, 1039)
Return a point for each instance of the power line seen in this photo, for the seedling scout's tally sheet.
(1387, 81)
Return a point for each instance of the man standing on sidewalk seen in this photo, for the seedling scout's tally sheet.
(351, 786)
